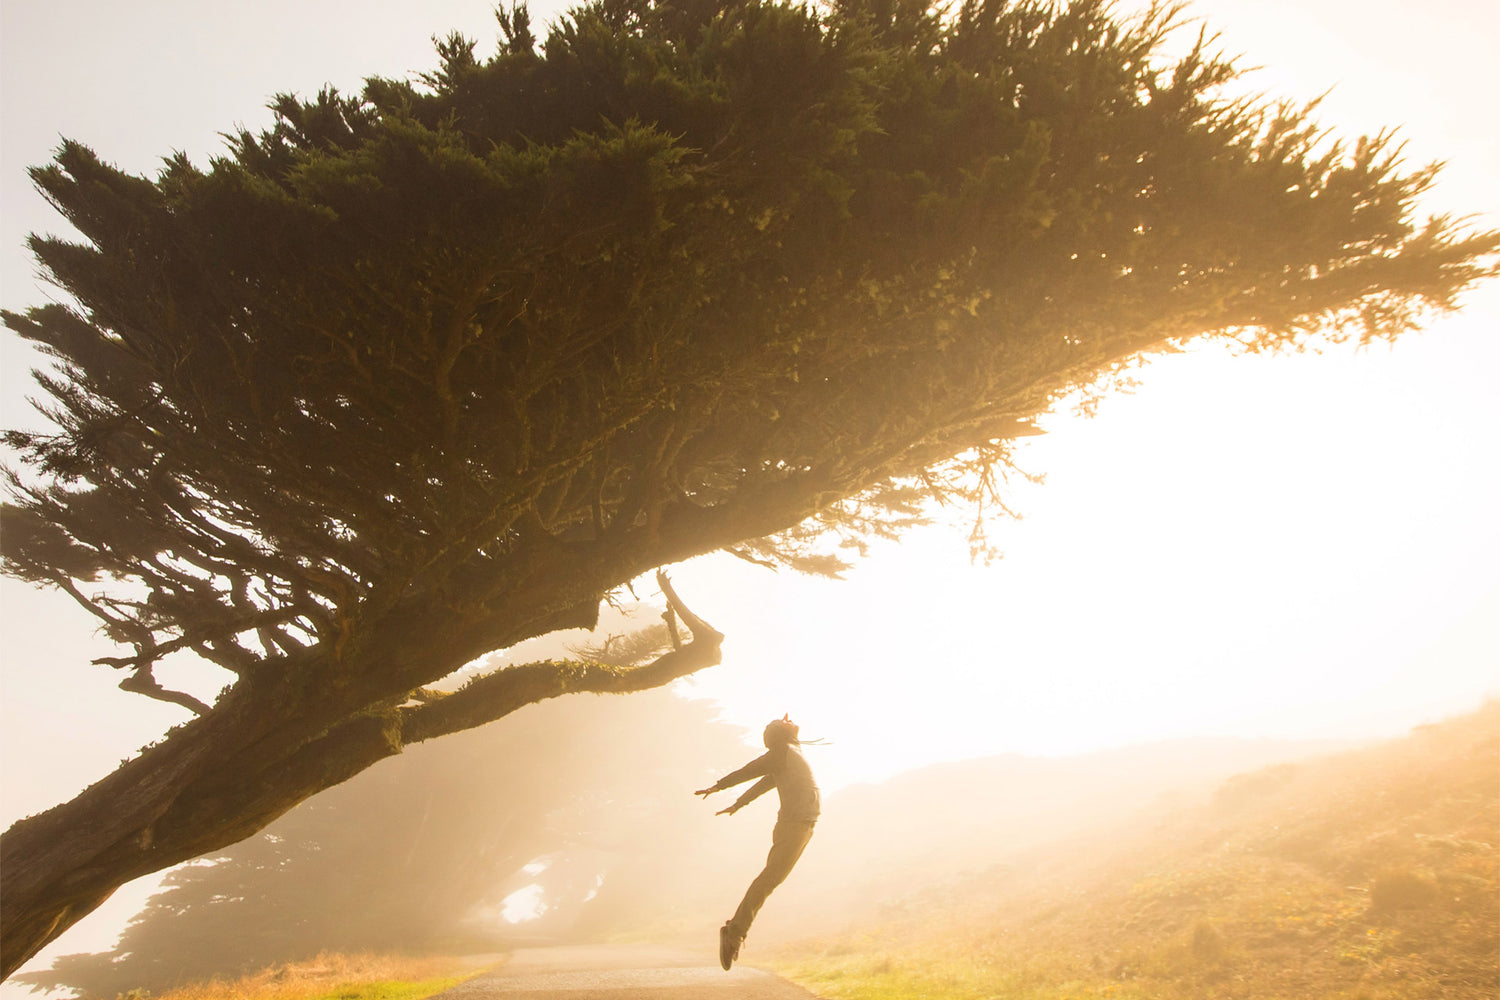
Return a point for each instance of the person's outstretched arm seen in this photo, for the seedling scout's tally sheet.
(757, 768)
(752, 793)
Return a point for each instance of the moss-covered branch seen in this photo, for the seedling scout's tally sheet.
(500, 692)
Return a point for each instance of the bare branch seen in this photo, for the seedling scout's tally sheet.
(501, 692)
(702, 631)
(142, 682)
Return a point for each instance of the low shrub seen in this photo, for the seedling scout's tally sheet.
(1401, 889)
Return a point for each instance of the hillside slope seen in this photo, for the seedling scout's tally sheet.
(1369, 875)
(877, 844)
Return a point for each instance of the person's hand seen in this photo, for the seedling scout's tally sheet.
(705, 792)
(726, 812)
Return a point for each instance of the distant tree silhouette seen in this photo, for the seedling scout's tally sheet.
(417, 375)
(418, 853)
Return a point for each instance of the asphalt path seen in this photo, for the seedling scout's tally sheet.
(621, 972)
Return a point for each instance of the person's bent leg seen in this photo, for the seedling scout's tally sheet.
(788, 840)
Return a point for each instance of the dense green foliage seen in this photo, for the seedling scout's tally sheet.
(682, 264)
(416, 375)
(1371, 875)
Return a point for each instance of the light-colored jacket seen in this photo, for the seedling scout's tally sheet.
(785, 770)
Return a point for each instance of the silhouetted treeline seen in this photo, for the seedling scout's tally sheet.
(589, 799)
(419, 852)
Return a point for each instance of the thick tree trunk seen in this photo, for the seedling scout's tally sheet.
(200, 790)
(227, 775)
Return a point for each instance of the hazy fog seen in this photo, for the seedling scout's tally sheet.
(574, 820)
(1360, 491)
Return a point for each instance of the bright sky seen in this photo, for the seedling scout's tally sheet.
(1296, 546)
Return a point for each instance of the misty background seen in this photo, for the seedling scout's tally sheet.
(1246, 561)
(574, 821)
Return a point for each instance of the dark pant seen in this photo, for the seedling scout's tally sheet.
(788, 840)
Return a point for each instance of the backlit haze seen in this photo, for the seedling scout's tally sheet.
(1293, 546)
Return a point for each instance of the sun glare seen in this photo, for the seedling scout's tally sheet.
(1244, 546)
(523, 905)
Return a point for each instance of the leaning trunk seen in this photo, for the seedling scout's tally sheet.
(261, 751)
(198, 791)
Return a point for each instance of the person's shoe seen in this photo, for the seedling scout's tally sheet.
(730, 940)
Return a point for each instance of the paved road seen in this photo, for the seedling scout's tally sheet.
(621, 972)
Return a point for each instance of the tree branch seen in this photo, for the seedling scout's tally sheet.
(142, 682)
(497, 694)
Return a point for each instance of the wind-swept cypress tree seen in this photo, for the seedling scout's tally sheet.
(417, 375)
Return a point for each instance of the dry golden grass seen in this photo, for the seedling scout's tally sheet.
(363, 976)
(1373, 875)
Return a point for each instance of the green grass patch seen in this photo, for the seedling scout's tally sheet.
(392, 989)
(911, 975)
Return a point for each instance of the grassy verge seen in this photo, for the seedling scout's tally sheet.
(904, 971)
(1370, 876)
(340, 977)
(1256, 932)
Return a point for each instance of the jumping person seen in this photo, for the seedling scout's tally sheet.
(780, 767)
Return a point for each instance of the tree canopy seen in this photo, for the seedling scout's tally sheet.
(415, 375)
